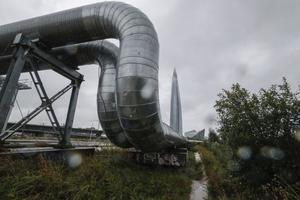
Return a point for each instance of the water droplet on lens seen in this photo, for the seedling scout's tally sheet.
(272, 152)
(74, 160)
(297, 135)
(244, 152)
(276, 154)
(148, 90)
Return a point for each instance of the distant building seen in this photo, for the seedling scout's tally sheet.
(194, 135)
(190, 133)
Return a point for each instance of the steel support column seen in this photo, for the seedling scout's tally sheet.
(70, 116)
(10, 86)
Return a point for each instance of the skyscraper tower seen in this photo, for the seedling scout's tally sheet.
(176, 114)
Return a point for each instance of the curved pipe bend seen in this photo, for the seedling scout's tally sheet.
(137, 68)
(105, 54)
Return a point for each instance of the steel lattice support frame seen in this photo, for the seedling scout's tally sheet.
(11, 130)
(43, 96)
(26, 50)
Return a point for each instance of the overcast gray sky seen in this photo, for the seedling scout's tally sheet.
(211, 43)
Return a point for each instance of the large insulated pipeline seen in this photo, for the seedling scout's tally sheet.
(137, 67)
(105, 54)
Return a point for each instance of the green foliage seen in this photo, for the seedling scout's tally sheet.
(194, 170)
(222, 185)
(108, 175)
(213, 170)
(259, 130)
(292, 191)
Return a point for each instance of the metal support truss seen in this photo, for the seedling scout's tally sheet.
(7, 133)
(43, 96)
(28, 51)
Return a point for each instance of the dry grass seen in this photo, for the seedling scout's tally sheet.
(109, 175)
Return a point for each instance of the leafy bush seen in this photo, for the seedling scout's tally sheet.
(259, 130)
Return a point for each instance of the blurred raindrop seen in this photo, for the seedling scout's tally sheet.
(233, 166)
(297, 135)
(148, 90)
(272, 152)
(244, 152)
(276, 154)
(74, 160)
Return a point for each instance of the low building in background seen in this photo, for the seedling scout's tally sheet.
(194, 135)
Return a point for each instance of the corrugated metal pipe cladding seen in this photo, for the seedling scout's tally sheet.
(134, 118)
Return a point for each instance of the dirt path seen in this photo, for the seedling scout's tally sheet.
(199, 188)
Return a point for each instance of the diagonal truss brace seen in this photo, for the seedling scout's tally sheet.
(33, 114)
(43, 96)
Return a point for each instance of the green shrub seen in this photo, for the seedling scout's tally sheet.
(214, 172)
(260, 131)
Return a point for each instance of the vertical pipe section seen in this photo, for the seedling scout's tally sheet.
(105, 54)
(107, 105)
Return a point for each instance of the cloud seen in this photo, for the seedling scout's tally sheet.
(212, 44)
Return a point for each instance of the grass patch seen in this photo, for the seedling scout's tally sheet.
(214, 172)
(107, 175)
